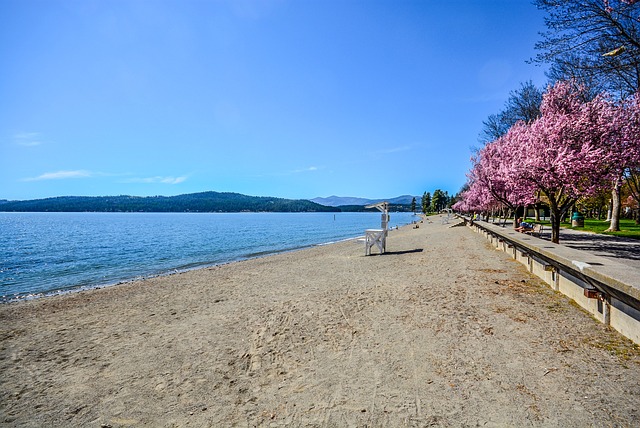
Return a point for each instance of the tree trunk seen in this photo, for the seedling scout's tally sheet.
(555, 227)
(506, 214)
(555, 220)
(558, 207)
(615, 207)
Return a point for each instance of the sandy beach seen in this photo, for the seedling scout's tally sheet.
(441, 331)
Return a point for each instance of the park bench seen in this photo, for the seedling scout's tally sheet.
(536, 231)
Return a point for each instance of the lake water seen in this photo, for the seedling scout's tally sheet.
(47, 253)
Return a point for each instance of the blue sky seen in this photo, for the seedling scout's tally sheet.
(293, 99)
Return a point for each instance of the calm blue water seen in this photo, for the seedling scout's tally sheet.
(45, 253)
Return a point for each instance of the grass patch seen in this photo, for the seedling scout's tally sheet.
(628, 228)
(618, 346)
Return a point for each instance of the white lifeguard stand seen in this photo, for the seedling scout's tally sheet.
(449, 211)
(378, 237)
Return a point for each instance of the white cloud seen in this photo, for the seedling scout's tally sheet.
(28, 139)
(61, 175)
(157, 179)
(30, 143)
(173, 180)
(393, 150)
(309, 169)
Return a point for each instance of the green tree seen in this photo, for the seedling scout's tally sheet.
(438, 200)
(426, 202)
(413, 205)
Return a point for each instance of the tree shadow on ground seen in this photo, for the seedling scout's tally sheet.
(603, 245)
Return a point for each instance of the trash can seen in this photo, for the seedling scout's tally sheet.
(577, 220)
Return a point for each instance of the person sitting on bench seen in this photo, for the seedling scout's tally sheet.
(523, 226)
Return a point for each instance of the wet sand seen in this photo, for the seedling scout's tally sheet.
(440, 331)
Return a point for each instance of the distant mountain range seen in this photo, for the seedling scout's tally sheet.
(194, 202)
(337, 201)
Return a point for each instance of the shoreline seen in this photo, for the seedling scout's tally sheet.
(75, 288)
(441, 330)
(176, 271)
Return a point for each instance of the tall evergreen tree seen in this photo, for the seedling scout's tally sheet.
(438, 200)
(426, 202)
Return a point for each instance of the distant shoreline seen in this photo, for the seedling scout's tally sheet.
(204, 202)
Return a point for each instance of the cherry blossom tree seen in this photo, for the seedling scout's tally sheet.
(493, 171)
(573, 150)
(476, 199)
(598, 43)
(568, 154)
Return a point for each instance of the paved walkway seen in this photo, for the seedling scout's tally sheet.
(607, 246)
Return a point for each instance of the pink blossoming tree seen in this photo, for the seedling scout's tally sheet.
(493, 170)
(567, 154)
(575, 149)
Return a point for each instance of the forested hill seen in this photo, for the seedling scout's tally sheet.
(194, 202)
